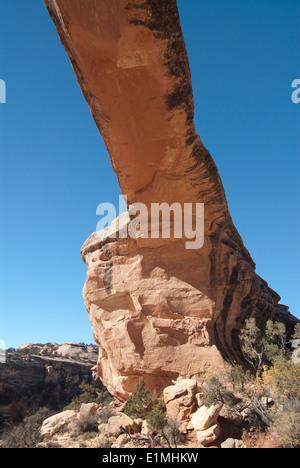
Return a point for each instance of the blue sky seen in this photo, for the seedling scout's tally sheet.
(54, 168)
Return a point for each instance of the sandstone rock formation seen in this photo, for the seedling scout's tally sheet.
(158, 310)
(179, 399)
(55, 423)
(205, 417)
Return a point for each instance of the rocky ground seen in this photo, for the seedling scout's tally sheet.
(95, 426)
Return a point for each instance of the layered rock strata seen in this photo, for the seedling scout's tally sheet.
(158, 310)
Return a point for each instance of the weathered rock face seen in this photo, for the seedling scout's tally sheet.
(157, 309)
(166, 312)
(151, 312)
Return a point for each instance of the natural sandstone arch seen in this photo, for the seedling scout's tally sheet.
(157, 309)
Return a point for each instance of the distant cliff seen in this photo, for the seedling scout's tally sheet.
(37, 376)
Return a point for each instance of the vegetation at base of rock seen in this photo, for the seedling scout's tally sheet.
(271, 397)
(286, 424)
(282, 381)
(141, 402)
(86, 424)
(89, 394)
(146, 405)
(156, 419)
(216, 391)
(32, 352)
(166, 429)
(261, 347)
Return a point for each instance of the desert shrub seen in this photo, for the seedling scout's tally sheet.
(137, 403)
(171, 432)
(276, 376)
(263, 346)
(24, 352)
(141, 402)
(238, 377)
(167, 429)
(215, 391)
(103, 442)
(240, 393)
(285, 424)
(86, 424)
(27, 433)
(88, 395)
(282, 382)
(156, 420)
(69, 381)
(296, 335)
(146, 405)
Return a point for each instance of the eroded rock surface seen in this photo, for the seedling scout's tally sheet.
(157, 309)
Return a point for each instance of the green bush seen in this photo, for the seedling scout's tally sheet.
(214, 391)
(282, 381)
(89, 395)
(285, 424)
(167, 429)
(277, 378)
(156, 420)
(146, 405)
(137, 405)
(263, 346)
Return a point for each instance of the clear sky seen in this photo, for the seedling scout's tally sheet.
(54, 168)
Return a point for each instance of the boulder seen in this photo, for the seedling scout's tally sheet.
(230, 414)
(184, 388)
(209, 435)
(88, 409)
(121, 440)
(117, 423)
(233, 443)
(199, 399)
(55, 423)
(180, 399)
(205, 417)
